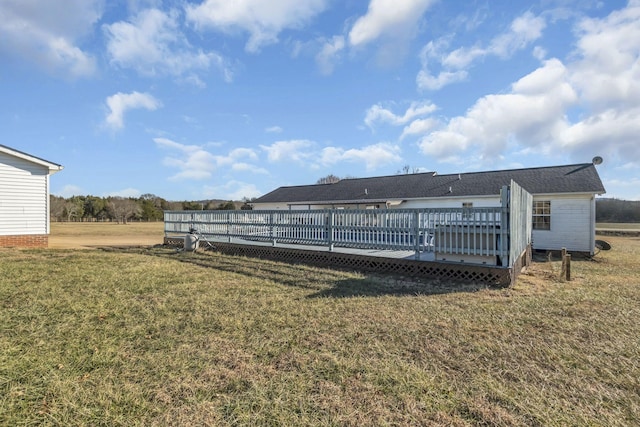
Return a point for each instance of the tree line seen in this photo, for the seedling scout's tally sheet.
(150, 207)
(616, 210)
(147, 207)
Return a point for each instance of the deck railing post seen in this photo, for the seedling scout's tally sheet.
(329, 229)
(272, 227)
(416, 233)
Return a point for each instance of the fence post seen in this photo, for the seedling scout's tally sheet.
(566, 264)
(229, 226)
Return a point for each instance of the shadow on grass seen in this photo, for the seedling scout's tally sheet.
(374, 286)
(318, 281)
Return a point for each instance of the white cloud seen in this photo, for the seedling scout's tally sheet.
(303, 152)
(378, 114)
(196, 163)
(233, 158)
(631, 187)
(329, 54)
(433, 50)
(524, 30)
(120, 103)
(47, 33)
(453, 65)
(273, 129)
(531, 114)
(611, 132)
(388, 18)
(606, 75)
(263, 20)
(232, 190)
(193, 161)
(446, 145)
(238, 153)
(247, 167)
(153, 44)
(608, 72)
(539, 53)
(70, 190)
(372, 156)
(462, 57)
(427, 81)
(588, 106)
(419, 127)
(296, 150)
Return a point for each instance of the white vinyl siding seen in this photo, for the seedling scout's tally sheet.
(453, 202)
(24, 197)
(571, 225)
(444, 202)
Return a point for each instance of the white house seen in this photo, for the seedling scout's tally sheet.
(24, 198)
(563, 198)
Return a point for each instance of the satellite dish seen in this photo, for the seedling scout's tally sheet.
(596, 160)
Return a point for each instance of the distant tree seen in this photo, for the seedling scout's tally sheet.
(615, 210)
(192, 206)
(226, 206)
(246, 203)
(151, 207)
(211, 205)
(74, 208)
(94, 208)
(407, 169)
(147, 207)
(173, 206)
(56, 207)
(124, 209)
(329, 179)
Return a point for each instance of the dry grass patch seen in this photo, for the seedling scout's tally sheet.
(155, 337)
(84, 235)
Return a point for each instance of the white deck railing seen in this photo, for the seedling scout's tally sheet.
(474, 231)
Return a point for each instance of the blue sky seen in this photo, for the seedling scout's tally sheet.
(218, 99)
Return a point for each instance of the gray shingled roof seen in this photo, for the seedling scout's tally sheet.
(579, 178)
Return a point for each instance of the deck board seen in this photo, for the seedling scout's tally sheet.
(382, 253)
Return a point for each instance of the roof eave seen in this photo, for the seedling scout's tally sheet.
(330, 202)
(571, 193)
(53, 167)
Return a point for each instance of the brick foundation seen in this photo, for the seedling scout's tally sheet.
(25, 241)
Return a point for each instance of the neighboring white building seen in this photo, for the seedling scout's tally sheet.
(563, 198)
(24, 198)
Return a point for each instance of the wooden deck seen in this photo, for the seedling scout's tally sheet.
(394, 254)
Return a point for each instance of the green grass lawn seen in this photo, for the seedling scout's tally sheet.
(157, 337)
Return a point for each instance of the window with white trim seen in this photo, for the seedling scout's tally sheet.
(542, 215)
